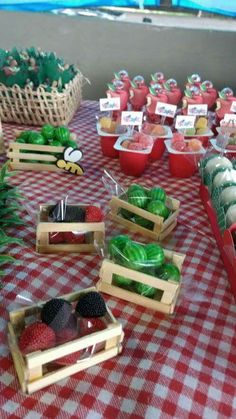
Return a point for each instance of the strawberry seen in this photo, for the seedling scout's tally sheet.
(91, 325)
(56, 238)
(74, 237)
(93, 214)
(36, 337)
(69, 359)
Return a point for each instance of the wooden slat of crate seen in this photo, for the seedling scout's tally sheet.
(170, 290)
(31, 369)
(162, 228)
(15, 154)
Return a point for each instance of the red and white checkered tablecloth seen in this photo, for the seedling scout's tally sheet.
(183, 366)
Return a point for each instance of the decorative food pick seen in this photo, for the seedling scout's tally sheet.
(56, 313)
(36, 337)
(91, 304)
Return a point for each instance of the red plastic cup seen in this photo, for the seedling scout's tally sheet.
(158, 149)
(132, 163)
(107, 145)
(183, 164)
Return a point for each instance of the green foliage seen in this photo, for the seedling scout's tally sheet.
(8, 216)
(34, 67)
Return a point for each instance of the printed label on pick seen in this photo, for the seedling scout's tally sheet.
(197, 110)
(165, 109)
(233, 106)
(131, 118)
(109, 104)
(230, 118)
(184, 122)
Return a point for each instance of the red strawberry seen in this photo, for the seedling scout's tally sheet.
(91, 325)
(56, 238)
(74, 237)
(36, 337)
(93, 214)
(69, 359)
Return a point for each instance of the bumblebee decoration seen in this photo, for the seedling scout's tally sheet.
(70, 161)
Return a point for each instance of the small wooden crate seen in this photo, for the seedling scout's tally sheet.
(167, 291)
(45, 154)
(95, 233)
(36, 371)
(161, 229)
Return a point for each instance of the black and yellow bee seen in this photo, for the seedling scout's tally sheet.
(70, 161)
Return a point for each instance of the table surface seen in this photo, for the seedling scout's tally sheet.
(181, 366)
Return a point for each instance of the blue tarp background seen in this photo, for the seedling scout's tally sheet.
(225, 7)
(31, 5)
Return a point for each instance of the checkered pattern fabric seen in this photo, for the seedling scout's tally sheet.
(180, 366)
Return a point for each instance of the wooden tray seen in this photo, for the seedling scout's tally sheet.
(41, 153)
(223, 239)
(35, 370)
(161, 229)
(166, 296)
(94, 232)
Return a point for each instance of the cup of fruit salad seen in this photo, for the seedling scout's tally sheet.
(109, 131)
(159, 133)
(134, 151)
(184, 155)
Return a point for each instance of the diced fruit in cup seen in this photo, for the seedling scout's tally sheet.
(135, 146)
(194, 145)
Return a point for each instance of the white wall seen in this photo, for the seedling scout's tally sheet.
(101, 47)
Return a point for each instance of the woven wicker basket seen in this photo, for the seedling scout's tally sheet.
(38, 107)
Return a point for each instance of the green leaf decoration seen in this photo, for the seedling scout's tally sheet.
(15, 54)
(152, 91)
(133, 84)
(188, 93)
(3, 171)
(221, 95)
(66, 77)
(116, 75)
(203, 87)
(3, 57)
(153, 77)
(6, 259)
(111, 87)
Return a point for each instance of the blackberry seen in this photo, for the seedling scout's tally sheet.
(56, 313)
(69, 213)
(74, 214)
(91, 304)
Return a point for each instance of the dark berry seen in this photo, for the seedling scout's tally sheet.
(56, 313)
(91, 304)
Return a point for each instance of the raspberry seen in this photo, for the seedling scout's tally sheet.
(36, 337)
(93, 214)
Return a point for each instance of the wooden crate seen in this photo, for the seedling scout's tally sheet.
(167, 291)
(94, 232)
(42, 153)
(161, 229)
(36, 370)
